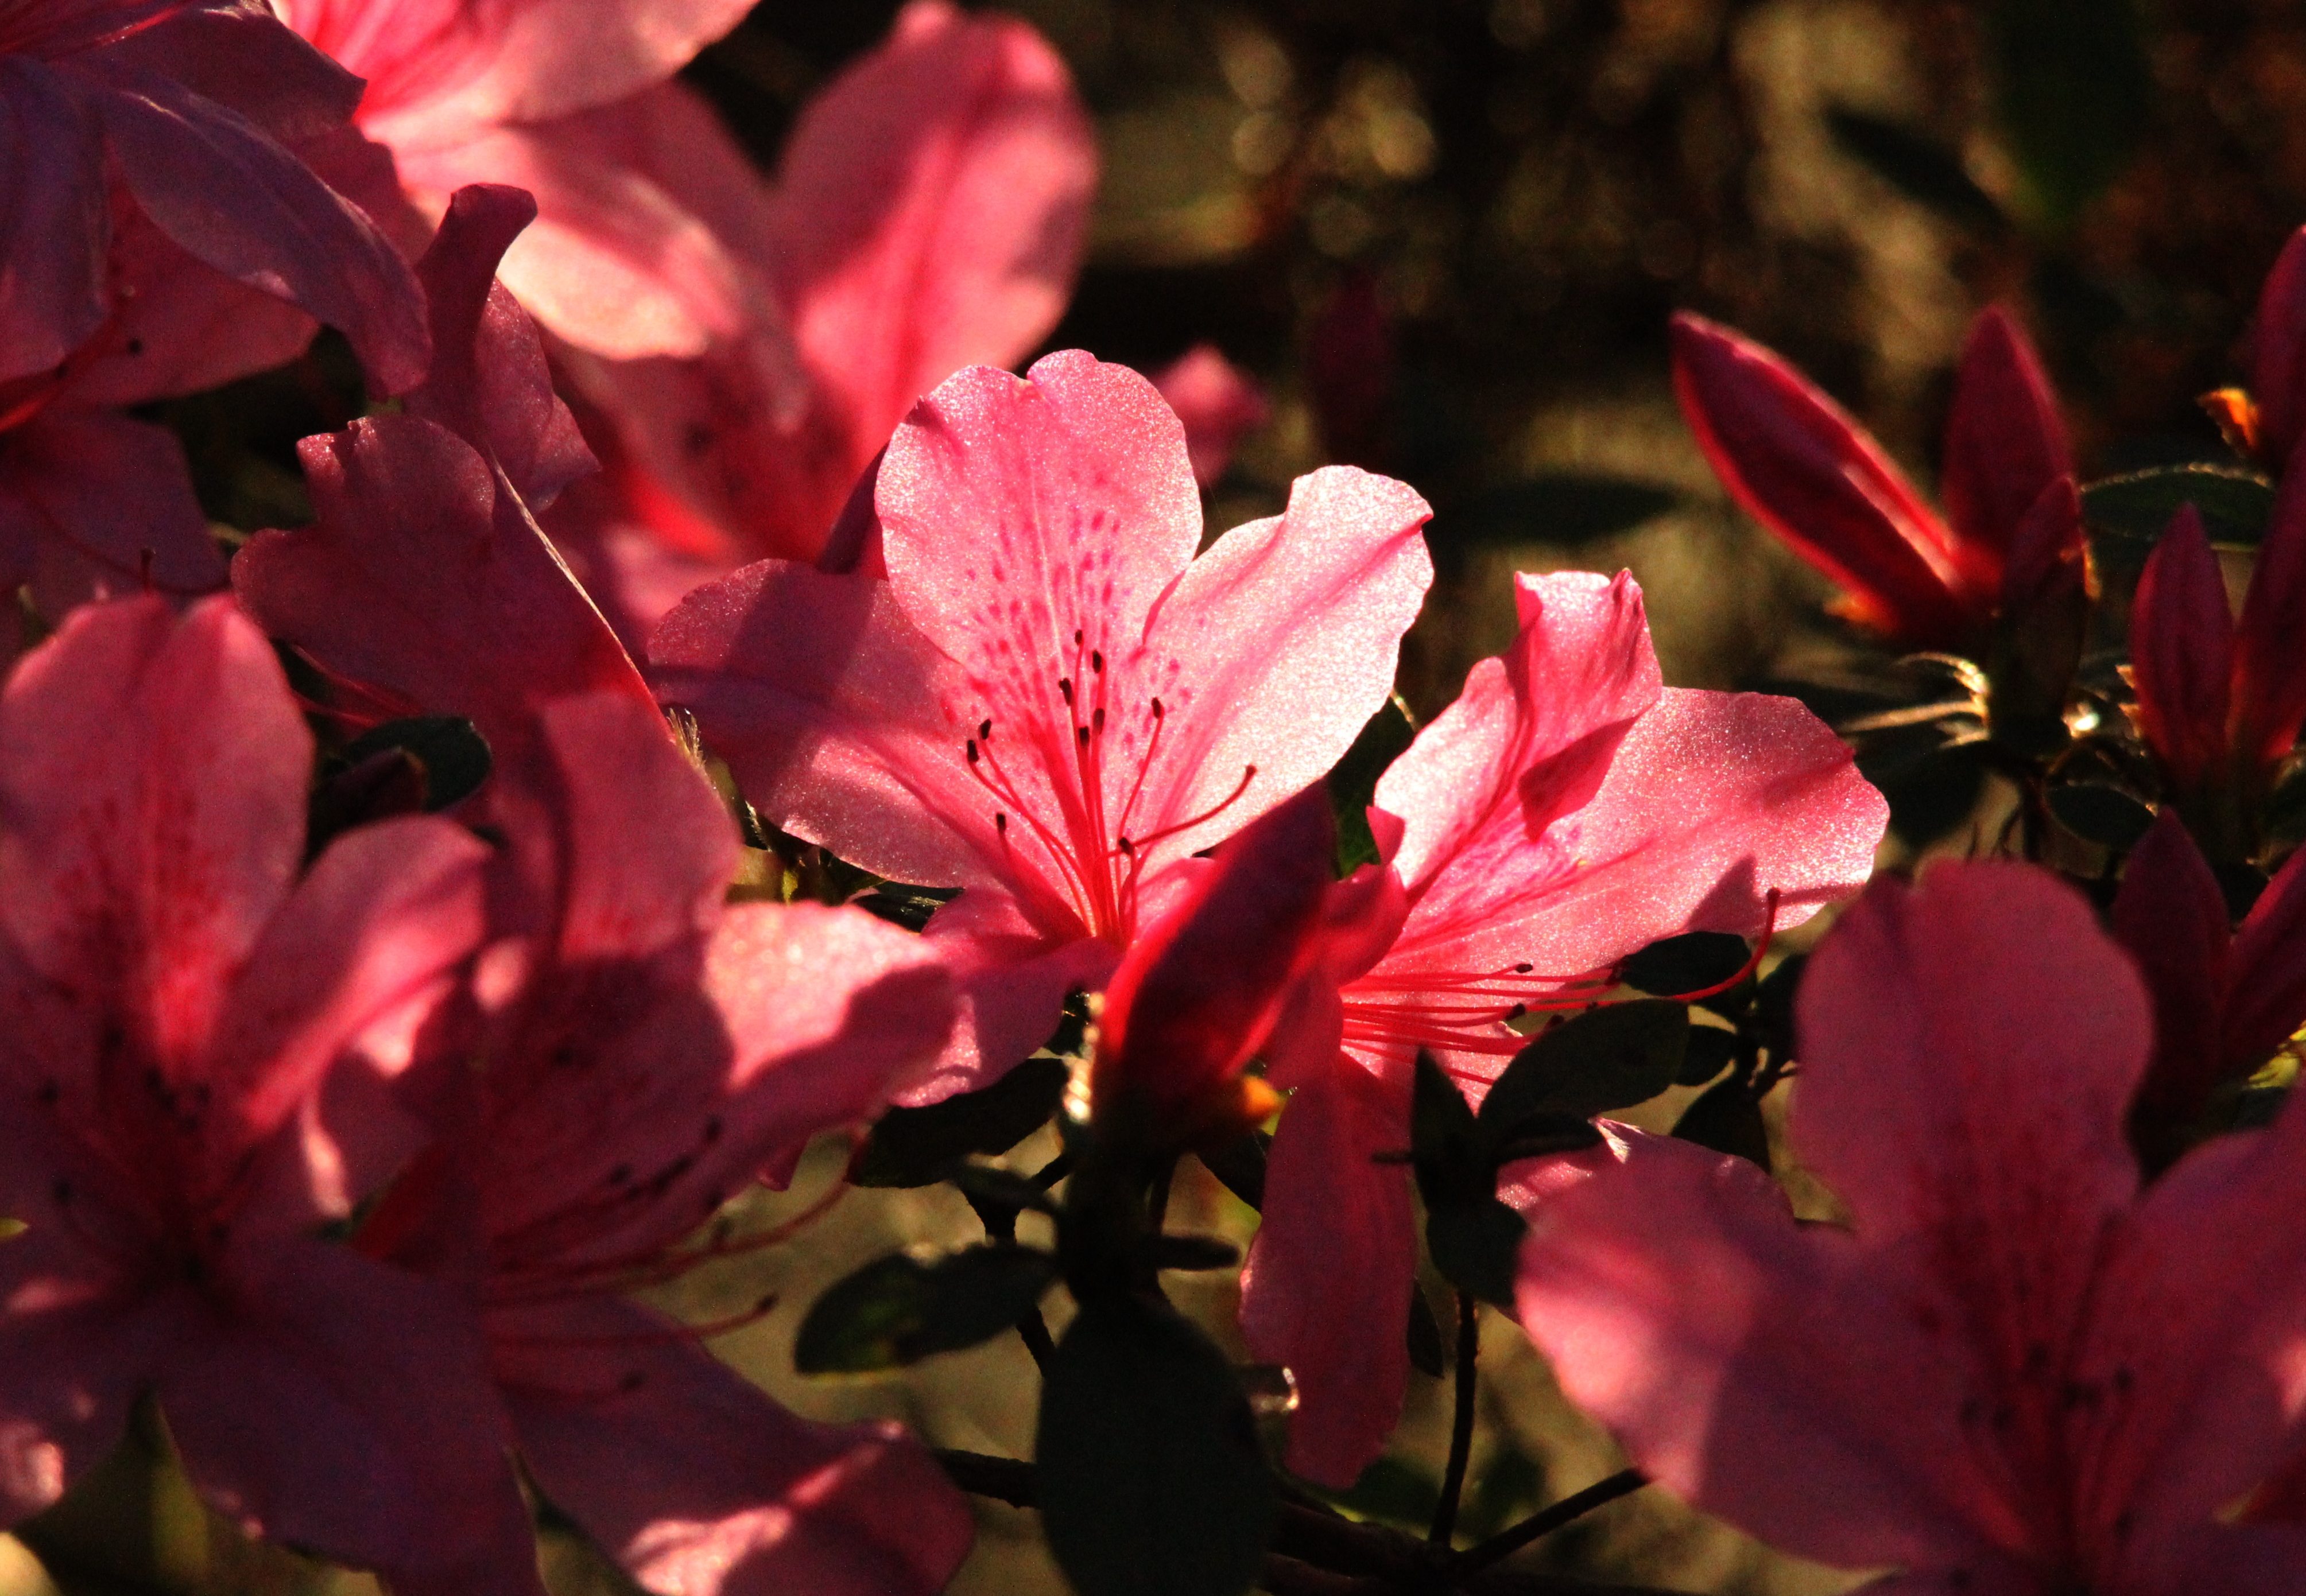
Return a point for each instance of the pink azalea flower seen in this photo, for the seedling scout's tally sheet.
(196, 1046)
(2220, 701)
(186, 101)
(2224, 999)
(1050, 703)
(647, 1054)
(1567, 811)
(1218, 404)
(2014, 1371)
(2264, 421)
(2011, 539)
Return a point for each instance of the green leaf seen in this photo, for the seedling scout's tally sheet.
(1427, 1354)
(1610, 1057)
(1571, 508)
(1447, 1146)
(1477, 1248)
(899, 1310)
(2073, 93)
(1353, 782)
(1711, 1051)
(919, 1147)
(1152, 1482)
(2234, 504)
(449, 750)
(1690, 962)
(1773, 1004)
(1727, 1118)
(1916, 165)
(1239, 1166)
(2106, 816)
(1193, 1252)
(986, 1185)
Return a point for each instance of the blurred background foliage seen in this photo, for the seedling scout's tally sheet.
(1445, 235)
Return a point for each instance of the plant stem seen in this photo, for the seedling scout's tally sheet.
(1544, 1522)
(1035, 1331)
(1464, 1381)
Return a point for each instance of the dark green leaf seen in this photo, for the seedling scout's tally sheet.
(909, 907)
(1690, 962)
(918, 1147)
(1773, 1004)
(1353, 782)
(1710, 1052)
(1193, 1252)
(1931, 791)
(1427, 1353)
(1543, 1135)
(1916, 165)
(1727, 1118)
(1610, 1057)
(1395, 1491)
(2283, 819)
(1571, 508)
(899, 1310)
(2106, 816)
(2073, 92)
(452, 754)
(1447, 1147)
(1152, 1482)
(1477, 1248)
(987, 1186)
(2234, 504)
(1239, 1166)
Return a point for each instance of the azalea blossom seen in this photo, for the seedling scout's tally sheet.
(1216, 403)
(2013, 1370)
(2224, 997)
(2010, 541)
(2264, 420)
(2220, 700)
(186, 101)
(1050, 703)
(193, 1065)
(1566, 812)
(743, 348)
(646, 1054)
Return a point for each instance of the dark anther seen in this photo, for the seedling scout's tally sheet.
(49, 1092)
(1516, 1012)
(620, 1174)
(1065, 686)
(62, 1191)
(1128, 849)
(1080, 637)
(972, 750)
(135, 345)
(1096, 660)
(1096, 719)
(633, 1381)
(985, 731)
(712, 1129)
(1001, 823)
(1522, 970)
(1080, 734)
(1156, 709)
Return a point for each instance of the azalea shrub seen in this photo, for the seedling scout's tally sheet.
(715, 728)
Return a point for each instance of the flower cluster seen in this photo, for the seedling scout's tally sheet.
(715, 705)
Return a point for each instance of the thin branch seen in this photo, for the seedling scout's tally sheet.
(1465, 1379)
(1506, 1542)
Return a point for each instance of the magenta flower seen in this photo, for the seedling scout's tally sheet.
(1801, 466)
(1050, 703)
(187, 101)
(2219, 700)
(1218, 404)
(646, 1055)
(192, 1067)
(1566, 812)
(2014, 1370)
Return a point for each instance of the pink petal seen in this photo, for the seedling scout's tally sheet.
(238, 201)
(1923, 1026)
(238, 55)
(1199, 992)
(344, 1407)
(1275, 647)
(824, 701)
(2266, 997)
(2004, 443)
(2269, 669)
(2172, 919)
(1748, 1365)
(634, 576)
(1010, 977)
(436, 64)
(2181, 649)
(931, 208)
(52, 236)
(145, 863)
(118, 492)
(1326, 1290)
(2193, 1359)
(489, 382)
(461, 606)
(2278, 352)
(1797, 463)
(699, 1484)
(385, 913)
(625, 260)
(1218, 404)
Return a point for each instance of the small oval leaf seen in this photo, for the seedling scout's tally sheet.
(899, 1310)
